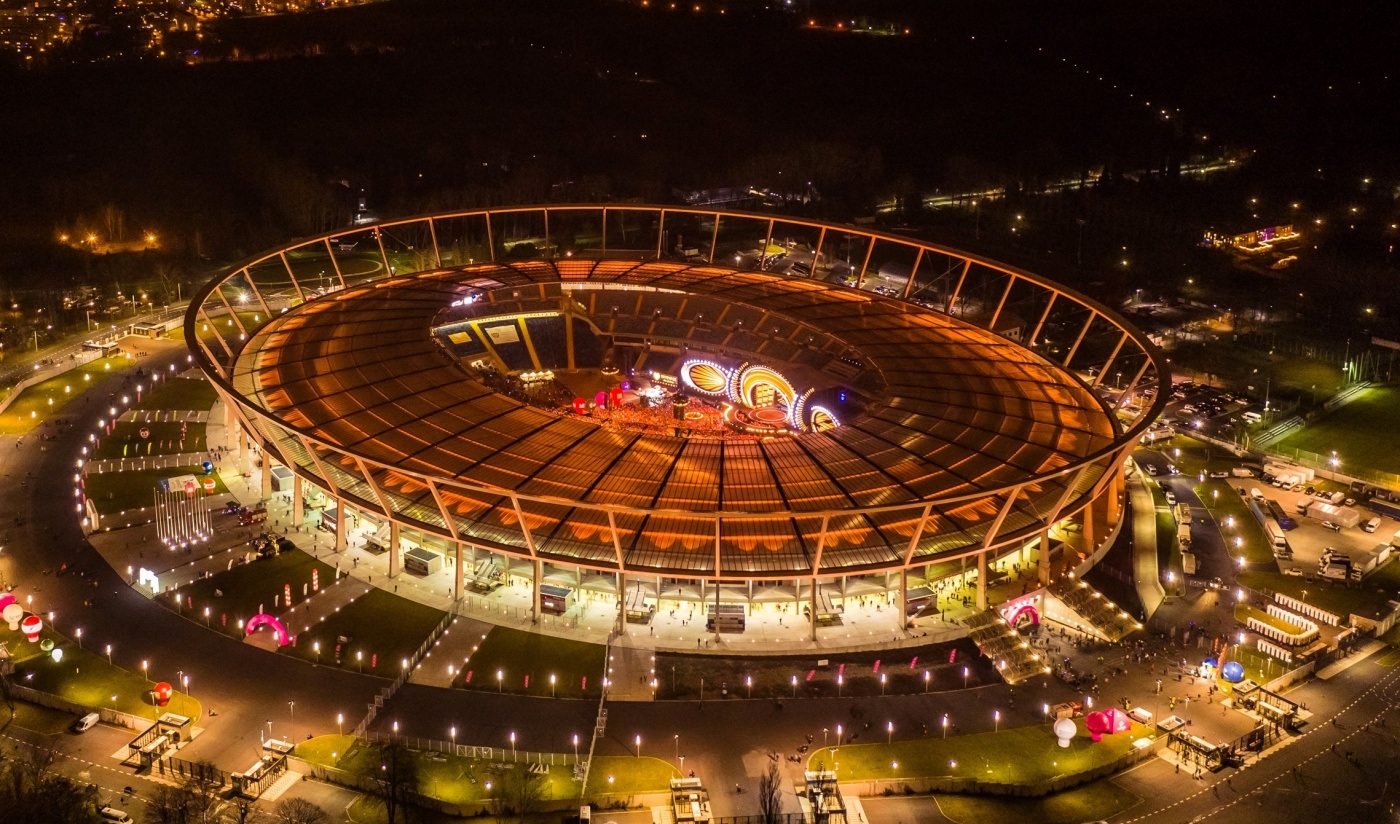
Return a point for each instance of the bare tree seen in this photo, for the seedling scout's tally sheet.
(299, 811)
(169, 804)
(527, 791)
(246, 811)
(393, 778)
(770, 794)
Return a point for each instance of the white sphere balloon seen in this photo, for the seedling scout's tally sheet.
(13, 614)
(1065, 730)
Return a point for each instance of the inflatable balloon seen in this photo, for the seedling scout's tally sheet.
(1233, 672)
(1097, 724)
(1065, 730)
(32, 625)
(13, 613)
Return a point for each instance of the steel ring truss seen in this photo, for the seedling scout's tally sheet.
(1069, 330)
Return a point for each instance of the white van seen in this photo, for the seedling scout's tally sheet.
(1252, 417)
(1371, 525)
(86, 723)
(114, 815)
(1255, 493)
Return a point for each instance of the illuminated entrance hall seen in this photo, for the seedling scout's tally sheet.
(484, 415)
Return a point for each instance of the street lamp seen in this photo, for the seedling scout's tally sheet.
(638, 741)
(889, 732)
(925, 682)
(575, 748)
(882, 683)
(512, 743)
(340, 722)
(452, 733)
(794, 686)
(551, 685)
(500, 681)
(677, 736)
(292, 723)
(996, 720)
(79, 633)
(748, 682)
(945, 725)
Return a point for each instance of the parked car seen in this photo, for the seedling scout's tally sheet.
(1332, 526)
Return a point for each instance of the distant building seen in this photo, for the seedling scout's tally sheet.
(1249, 241)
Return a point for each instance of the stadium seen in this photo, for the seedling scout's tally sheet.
(670, 404)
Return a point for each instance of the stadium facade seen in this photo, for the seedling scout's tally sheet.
(679, 403)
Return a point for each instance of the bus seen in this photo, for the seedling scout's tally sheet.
(1284, 519)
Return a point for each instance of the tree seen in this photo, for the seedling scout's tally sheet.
(770, 794)
(246, 811)
(299, 811)
(527, 791)
(393, 778)
(30, 789)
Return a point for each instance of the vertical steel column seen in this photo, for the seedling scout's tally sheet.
(1093, 313)
(953, 295)
(913, 273)
(1035, 333)
(437, 253)
(714, 241)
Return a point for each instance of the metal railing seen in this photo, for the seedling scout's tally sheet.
(1092, 341)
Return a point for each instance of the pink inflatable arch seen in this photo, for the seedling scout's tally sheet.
(257, 621)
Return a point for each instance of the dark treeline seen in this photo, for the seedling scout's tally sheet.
(418, 105)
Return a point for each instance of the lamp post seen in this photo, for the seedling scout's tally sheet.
(839, 681)
(964, 677)
(945, 725)
(926, 682)
(79, 633)
(452, 734)
(575, 748)
(748, 683)
(889, 732)
(551, 685)
(996, 720)
(292, 719)
(512, 744)
(340, 722)
(500, 681)
(882, 684)
(794, 686)
(677, 737)
(638, 741)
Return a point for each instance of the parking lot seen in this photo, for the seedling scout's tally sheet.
(1310, 537)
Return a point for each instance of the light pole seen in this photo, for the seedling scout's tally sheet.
(945, 725)
(964, 677)
(500, 681)
(360, 660)
(638, 741)
(889, 733)
(340, 722)
(512, 744)
(926, 682)
(996, 720)
(839, 681)
(794, 686)
(292, 723)
(677, 736)
(748, 682)
(882, 684)
(575, 748)
(79, 632)
(551, 685)
(824, 732)
(452, 733)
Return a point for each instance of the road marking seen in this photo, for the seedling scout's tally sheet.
(1390, 659)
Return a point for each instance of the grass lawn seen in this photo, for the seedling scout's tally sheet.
(86, 678)
(248, 587)
(195, 394)
(1023, 755)
(462, 781)
(164, 438)
(1358, 431)
(1096, 801)
(518, 655)
(678, 675)
(1243, 612)
(383, 626)
(1259, 667)
(1225, 504)
(114, 492)
(1364, 599)
(1168, 547)
(33, 405)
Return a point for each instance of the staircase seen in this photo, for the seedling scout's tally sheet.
(1102, 617)
(1010, 653)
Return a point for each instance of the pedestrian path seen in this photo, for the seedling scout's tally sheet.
(339, 593)
(450, 654)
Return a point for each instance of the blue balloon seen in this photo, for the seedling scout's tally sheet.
(208, 467)
(1233, 672)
